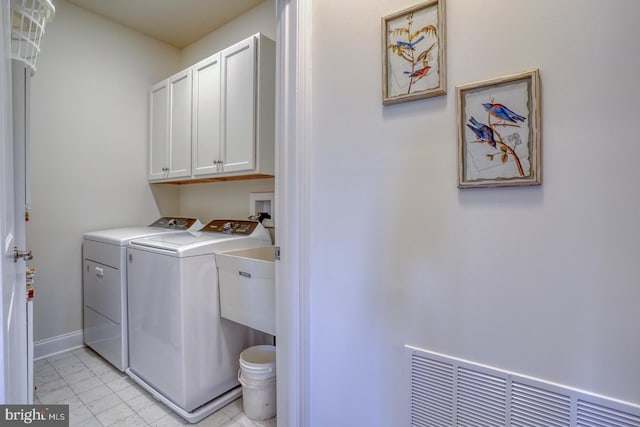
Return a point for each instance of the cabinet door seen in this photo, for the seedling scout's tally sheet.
(238, 106)
(206, 116)
(159, 131)
(180, 125)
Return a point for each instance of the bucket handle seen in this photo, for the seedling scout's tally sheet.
(243, 381)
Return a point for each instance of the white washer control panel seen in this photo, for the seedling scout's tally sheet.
(174, 223)
(230, 226)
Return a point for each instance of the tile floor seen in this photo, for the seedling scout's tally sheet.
(100, 395)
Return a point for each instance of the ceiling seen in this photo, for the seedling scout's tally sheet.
(176, 22)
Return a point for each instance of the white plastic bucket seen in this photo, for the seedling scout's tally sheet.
(257, 375)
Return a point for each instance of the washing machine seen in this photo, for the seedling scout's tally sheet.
(180, 349)
(104, 284)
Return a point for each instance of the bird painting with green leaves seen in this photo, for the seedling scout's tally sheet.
(413, 53)
(409, 48)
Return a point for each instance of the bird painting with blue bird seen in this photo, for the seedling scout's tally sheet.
(408, 45)
(502, 112)
(482, 131)
(498, 127)
(487, 132)
(415, 48)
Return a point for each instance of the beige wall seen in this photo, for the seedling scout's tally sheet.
(224, 200)
(541, 281)
(88, 150)
(261, 18)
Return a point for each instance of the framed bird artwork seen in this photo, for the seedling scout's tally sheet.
(499, 132)
(413, 53)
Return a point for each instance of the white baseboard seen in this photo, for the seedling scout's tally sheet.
(59, 344)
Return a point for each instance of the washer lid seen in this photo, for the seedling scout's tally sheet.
(122, 236)
(181, 242)
(183, 245)
(205, 242)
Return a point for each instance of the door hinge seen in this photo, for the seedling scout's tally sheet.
(17, 254)
(277, 248)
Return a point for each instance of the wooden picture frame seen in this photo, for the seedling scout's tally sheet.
(413, 53)
(499, 132)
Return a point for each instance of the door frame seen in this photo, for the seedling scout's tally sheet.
(16, 380)
(293, 136)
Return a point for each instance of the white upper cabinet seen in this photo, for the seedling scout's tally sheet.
(231, 116)
(206, 116)
(159, 131)
(180, 125)
(238, 82)
(170, 128)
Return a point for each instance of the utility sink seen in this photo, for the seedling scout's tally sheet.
(246, 280)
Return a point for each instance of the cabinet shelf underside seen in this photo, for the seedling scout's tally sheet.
(214, 179)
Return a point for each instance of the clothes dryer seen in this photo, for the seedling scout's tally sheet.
(104, 283)
(180, 349)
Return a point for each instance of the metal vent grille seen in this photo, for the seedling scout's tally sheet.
(591, 415)
(434, 379)
(481, 399)
(533, 406)
(446, 391)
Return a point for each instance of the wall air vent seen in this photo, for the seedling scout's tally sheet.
(532, 405)
(445, 391)
(591, 414)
